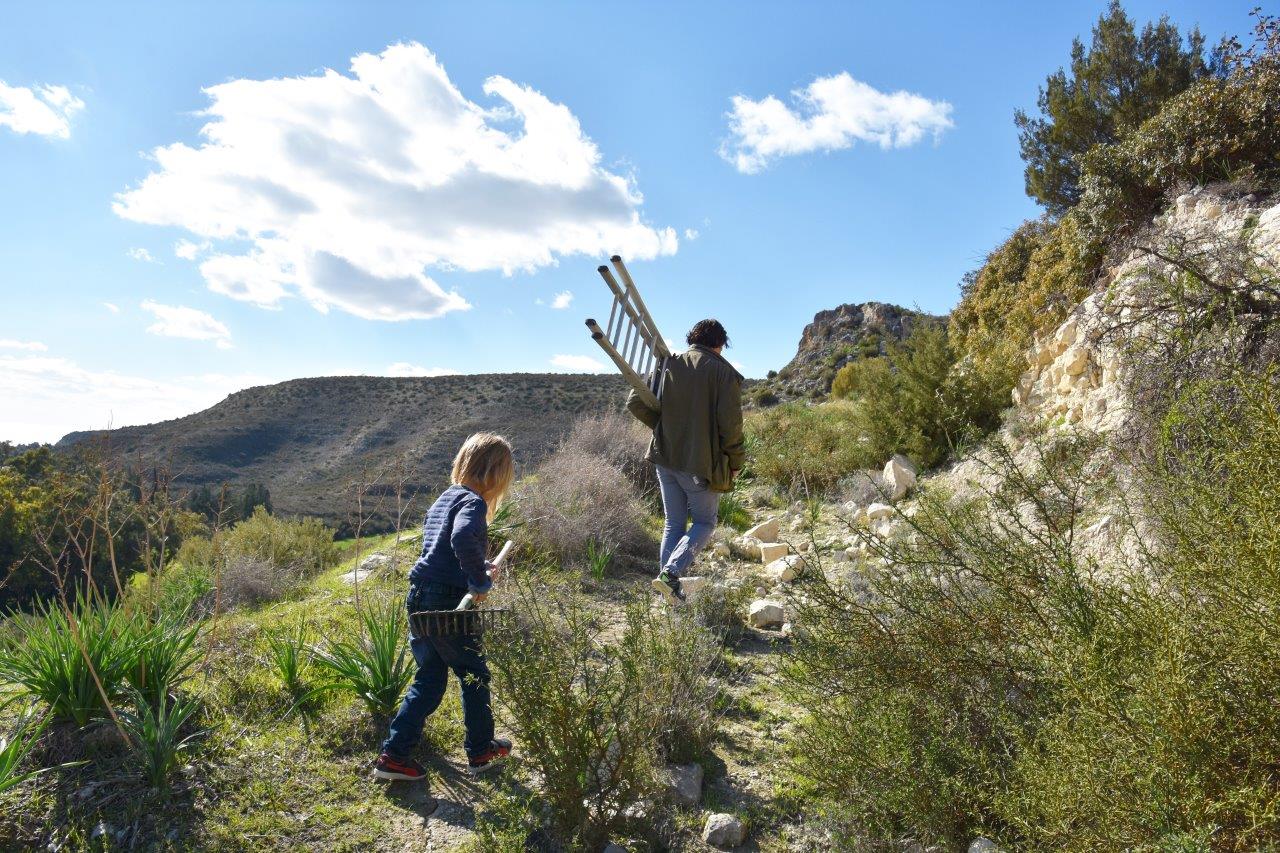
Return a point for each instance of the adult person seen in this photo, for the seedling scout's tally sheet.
(697, 447)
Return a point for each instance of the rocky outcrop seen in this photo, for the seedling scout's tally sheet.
(835, 338)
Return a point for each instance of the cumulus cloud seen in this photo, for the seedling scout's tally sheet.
(352, 191)
(691, 234)
(404, 368)
(562, 299)
(29, 346)
(142, 255)
(187, 250)
(42, 110)
(830, 113)
(48, 397)
(578, 363)
(179, 321)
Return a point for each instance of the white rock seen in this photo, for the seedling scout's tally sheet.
(785, 569)
(983, 845)
(684, 784)
(721, 550)
(840, 556)
(724, 831)
(899, 476)
(877, 511)
(745, 548)
(692, 585)
(375, 563)
(766, 614)
(1066, 335)
(765, 531)
(356, 576)
(770, 551)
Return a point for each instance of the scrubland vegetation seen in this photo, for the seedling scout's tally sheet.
(1072, 646)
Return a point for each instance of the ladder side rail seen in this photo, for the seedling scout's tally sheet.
(639, 301)
(643, 391)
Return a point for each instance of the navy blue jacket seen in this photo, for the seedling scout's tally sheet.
(455, 537)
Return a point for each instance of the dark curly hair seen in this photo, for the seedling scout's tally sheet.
(707, 333)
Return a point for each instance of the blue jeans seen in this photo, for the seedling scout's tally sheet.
(685, 497)
(435, 657)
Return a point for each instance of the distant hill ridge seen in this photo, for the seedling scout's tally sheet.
(311, 441)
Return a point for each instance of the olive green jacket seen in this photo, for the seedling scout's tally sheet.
(699, 430)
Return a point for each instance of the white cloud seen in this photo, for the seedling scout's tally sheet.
(43, 110)
(142, 255)
(29, 346)
(404, 368)
(830, 113)
(350, 191)
(562, 299)
(48, 397)
(691, 234)
(178, 321)
(187, 250)
(578, 363)
(112, 307)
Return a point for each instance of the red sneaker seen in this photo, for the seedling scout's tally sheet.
(398, 770)
(498, 750)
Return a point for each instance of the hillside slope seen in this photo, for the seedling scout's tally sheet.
(310, 441)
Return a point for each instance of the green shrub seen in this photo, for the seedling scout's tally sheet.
(15, 748)
(997, 679)
(1220, 129)
(597, 716)
(1120, 80)
(375, 663)
(290, 656)
(798, 448)
(76, 666)
(917, 400)
(157, 731)
(1025, 287)
(305, 544)
(165, 652)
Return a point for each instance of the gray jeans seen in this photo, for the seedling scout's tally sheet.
(685, 497)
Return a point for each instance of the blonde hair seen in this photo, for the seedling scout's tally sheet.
(484, 464)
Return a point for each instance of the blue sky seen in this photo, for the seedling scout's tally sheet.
(466, 180)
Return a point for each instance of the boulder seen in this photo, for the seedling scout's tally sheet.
(724, 831)
(765, 531)
(684, 784)
(721, 550)
(877, 511)
(375, 563)
(770, 551)
(766, 614)
(785, 569)
(899, 476)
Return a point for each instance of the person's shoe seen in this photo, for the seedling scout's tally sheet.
(497, 752)
(669, 585)
(398, 770)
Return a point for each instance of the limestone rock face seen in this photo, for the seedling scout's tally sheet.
(724, 831)
(1075, 374)
(766, 614)
(899, 476)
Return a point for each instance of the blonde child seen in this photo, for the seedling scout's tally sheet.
(454, 543)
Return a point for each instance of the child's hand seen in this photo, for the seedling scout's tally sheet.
(495, 571)
(479, 597)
